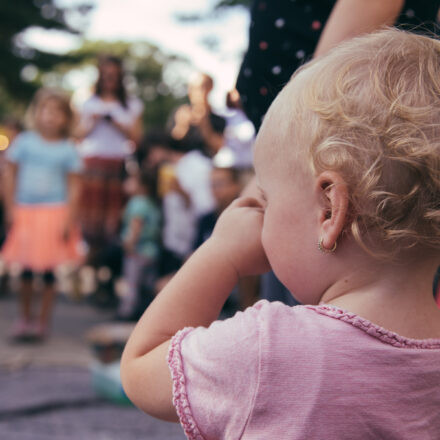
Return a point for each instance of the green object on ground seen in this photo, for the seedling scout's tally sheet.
(106, 381)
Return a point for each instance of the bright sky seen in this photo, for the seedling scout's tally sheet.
(154, 21)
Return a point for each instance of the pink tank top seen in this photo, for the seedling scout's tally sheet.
(304, 372)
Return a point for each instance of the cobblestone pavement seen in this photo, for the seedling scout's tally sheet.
(46, 392)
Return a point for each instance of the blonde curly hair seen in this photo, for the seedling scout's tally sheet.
(370, 110)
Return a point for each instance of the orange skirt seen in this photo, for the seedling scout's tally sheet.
(36, 239)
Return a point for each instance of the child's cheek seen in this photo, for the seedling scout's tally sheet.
(267, 240)
(274, 244)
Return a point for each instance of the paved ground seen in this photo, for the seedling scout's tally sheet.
(46, 392)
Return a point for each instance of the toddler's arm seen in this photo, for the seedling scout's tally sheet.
(194, 297)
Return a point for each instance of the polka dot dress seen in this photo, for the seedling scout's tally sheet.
(283, 35)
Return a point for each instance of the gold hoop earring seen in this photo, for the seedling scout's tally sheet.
(324, 249)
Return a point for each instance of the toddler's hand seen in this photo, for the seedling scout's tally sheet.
(238, 235)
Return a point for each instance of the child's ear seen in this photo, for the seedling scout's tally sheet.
(332, 191)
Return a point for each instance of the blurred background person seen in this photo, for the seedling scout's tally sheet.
(201, 133)
(177, 215)
(283, 35)
(110, 128)
(41, 206)
(197, 134)
(140, 239)
(226, 187)
(239, 135)
(196, 123)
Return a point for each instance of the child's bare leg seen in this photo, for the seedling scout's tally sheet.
(21, 328)
(47, 300)
(26, 288)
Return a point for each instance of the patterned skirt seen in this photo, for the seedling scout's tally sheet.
(102, 199)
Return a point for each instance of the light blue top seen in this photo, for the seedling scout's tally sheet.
(144, 208)
(43, 167)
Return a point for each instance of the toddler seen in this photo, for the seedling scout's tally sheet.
(140, 236)
(41, 205)
(347, 162)
(226, 187)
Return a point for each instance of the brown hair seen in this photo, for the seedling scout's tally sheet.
(41, 97)
(120, 91)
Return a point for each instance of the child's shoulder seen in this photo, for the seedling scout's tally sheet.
(280, 319)
(23, 141)
(270, 321)
(26, 136)
(280, 327)
(34, 139)
(140, 204)
(147, 202)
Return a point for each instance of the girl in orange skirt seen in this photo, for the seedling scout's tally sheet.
(41, 195)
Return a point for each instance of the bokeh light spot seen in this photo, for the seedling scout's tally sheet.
(4, 142)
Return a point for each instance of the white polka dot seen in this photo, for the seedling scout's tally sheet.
(410, 13)
(276, 70)
(247, 72)
(280, 22)
(300, 54)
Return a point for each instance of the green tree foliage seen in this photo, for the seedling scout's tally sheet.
(229, 3)
(16, 55)
(157, 79)
(218, 7)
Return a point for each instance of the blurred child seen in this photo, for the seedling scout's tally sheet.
(226, 187)
(239, 134)
(178, 217)
(41, 206)
(347, 162)
(140, 236)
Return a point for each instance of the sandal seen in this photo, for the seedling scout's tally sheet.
(40, 331)
(21, 330)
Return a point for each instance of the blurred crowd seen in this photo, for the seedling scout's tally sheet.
(98, 206)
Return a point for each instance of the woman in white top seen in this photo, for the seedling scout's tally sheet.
(110, 129)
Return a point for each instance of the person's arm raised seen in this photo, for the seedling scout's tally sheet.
(194, 297)
(350, 18)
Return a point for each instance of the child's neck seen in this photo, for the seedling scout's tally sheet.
(141, 192)
(108, 96)
(50, 136)
(398, 298)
